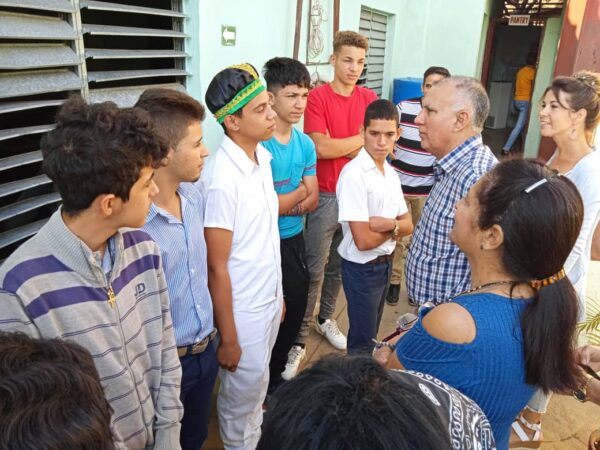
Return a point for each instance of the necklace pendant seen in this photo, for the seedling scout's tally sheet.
(112, 299)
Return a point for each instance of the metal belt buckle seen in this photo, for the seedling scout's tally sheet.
(199, 347)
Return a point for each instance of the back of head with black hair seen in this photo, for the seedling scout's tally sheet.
(350, 403)
(381, 110)
(540, 229)
(172, 112)
(436, 70)
(50, 396)
(280, 72)
(99, 149)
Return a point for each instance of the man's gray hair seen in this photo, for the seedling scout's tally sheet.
(471, 95)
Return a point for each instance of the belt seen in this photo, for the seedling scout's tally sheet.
(382, 259)
(198, 347)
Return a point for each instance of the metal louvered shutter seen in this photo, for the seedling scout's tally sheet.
(50, 49)
(39, 67)
(129, 48)
(373, 25)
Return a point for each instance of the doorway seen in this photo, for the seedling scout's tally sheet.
(510, 49)
(506, 50)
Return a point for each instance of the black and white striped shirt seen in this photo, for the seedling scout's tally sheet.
(413, 165)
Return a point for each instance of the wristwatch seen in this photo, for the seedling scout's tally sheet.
(581, 392)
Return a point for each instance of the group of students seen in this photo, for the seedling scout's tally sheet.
(164, 276)
(143, 258)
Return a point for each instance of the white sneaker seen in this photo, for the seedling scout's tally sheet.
(330, 330)
(295, 357)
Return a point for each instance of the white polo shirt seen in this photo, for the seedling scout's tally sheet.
(362, 192)
(240, 197)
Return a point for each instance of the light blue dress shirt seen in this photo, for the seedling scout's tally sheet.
(183, 252)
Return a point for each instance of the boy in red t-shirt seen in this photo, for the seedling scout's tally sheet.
(332, 119)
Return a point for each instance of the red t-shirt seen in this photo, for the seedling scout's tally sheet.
(341, 117)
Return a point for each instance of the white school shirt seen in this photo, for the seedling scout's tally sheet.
(240, 197)
(363, 191)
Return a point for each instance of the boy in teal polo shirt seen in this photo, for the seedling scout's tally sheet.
(294, 176)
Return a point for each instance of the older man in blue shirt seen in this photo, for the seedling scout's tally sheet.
(176, 223)
(450, 123)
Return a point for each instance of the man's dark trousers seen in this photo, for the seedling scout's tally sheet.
(295, 294)
(199, 373)
(365, 287)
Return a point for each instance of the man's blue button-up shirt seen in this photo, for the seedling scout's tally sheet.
(436, 269)
(183, 252)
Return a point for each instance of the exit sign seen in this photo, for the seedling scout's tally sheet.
(519, 20)
(228, 35)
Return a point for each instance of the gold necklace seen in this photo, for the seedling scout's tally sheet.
(483, 286)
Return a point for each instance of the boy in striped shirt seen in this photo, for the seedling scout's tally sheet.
(85, 277)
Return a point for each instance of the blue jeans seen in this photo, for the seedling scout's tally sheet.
(523, 107)
(199, 373)
(365, 286)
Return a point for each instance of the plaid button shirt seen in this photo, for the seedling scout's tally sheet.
(436, 269)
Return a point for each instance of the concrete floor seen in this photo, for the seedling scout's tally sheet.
(566, 426)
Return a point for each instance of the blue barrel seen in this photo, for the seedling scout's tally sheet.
(405, 88)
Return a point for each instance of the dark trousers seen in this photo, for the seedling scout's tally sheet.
(365, 286)
(199, 373)
(294, 272)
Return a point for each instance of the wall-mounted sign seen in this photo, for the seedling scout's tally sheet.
(227, 35)
(519, 20)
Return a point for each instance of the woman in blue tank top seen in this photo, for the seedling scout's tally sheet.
(513, 331)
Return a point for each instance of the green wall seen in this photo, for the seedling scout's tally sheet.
(543, 77)
(192, 47)
(441, 33)
(421, 33)
(265, 28)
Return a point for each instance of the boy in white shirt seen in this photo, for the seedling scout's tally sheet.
(373, 216)
(243, 255)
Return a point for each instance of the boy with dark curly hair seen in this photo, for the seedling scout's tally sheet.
(89, 278)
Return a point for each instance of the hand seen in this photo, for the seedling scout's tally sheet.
(228, 355)
(381, 355)
(594, 440)
(381, 224)
(283, 310)
(589, 355)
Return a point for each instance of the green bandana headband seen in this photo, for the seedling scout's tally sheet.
(240, 100)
